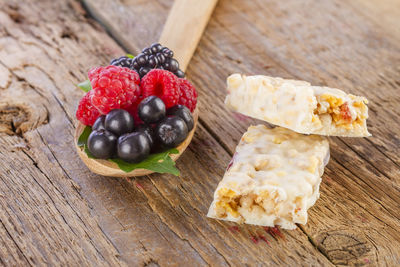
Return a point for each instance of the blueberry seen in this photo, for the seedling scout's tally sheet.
(133, 147)
(151, 109)
(180, 74)
(184, 113)
(102, 144)
(171, 131)
(99, 123)
(148, 130)
(119, 122)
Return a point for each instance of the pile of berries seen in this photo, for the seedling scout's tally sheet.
(132, 116)
(115, 134)
(153, 57)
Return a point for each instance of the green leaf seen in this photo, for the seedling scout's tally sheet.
(86, 86)
(84, 136)
(130, 55)
(160, 162)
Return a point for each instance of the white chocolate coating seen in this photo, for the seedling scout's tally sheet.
(298, 106)
(273, 178)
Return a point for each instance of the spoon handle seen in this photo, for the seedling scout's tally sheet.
(184, 27)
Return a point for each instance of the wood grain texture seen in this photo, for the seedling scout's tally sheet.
(335, 43)
(54, 211)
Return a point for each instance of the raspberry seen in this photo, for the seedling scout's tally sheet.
(163, 84)
(114, 87)
(187, 94)
(94, 72)
(87, 113)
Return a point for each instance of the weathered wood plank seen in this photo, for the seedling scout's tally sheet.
(54, 211)
(324, 42)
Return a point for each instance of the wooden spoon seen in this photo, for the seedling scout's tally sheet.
(182, 32)
(108, 168)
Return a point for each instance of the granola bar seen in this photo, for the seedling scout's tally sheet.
(273, 179)
(298, 106)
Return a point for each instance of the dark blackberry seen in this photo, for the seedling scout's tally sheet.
(113, 61)
(153, 61)
(161, 58)
(171, 64)
(153, 57)
(143, 71)
(180, 74)
(167, 52)
(147, 51)
(156, 47)
(122, 62)
(135, 65)
(141, 59)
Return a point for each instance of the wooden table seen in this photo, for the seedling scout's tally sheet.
(55, 212)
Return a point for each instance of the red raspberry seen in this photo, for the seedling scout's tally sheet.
(87, 113)
(94, 72)
(163, 84)
(187, 94)
(114, 87)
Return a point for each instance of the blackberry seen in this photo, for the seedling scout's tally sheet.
(141, 59)
(156, 47)
(147, 51)
(167, 52)
(153, 61)
(172, 65)
(180, 74)
(125, 62)
(161, 58)
(155, 57)
(143, 71)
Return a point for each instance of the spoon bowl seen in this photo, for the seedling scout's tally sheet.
(108, 168)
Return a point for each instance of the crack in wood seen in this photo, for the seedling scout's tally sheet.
(16, 244)
(312, 241)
